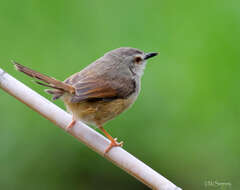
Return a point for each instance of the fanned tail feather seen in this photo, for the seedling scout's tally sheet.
(58, 87)
(53, 83)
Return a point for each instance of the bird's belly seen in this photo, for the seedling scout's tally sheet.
(98, 112)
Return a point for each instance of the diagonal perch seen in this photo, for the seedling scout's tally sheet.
(85, 134)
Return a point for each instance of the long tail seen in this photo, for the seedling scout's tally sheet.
(51, 82)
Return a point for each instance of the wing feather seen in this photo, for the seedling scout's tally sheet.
(100, 87)
(102, 80)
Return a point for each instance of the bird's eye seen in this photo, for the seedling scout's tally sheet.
(137, 60)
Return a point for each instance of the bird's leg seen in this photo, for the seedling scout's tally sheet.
(70, 125)
(113, 140)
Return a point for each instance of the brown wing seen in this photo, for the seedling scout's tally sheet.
(100, 87)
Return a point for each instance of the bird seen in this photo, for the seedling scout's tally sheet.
(101, 91)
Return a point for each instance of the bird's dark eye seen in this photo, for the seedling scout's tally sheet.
(137, 60)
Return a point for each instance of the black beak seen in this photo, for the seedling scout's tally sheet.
(149, 55)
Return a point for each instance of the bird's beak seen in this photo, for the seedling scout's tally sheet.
(149, 55)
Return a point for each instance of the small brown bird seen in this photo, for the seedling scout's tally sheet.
(102, 90)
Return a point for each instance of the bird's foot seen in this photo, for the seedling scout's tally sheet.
(112, 144)
(70, 126)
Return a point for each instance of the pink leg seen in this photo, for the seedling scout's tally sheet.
(70, 126)
(113, 141)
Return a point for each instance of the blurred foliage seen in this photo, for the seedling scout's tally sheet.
(185, 123)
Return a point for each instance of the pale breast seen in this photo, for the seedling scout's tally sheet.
(98, 112)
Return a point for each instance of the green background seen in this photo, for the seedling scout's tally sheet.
(185, 123)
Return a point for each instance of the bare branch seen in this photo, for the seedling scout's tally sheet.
(85, 134)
